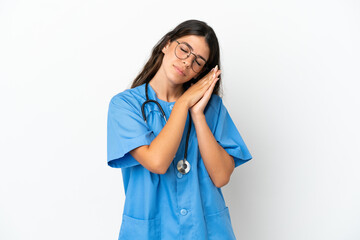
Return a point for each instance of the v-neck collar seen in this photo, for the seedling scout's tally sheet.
(152, 95)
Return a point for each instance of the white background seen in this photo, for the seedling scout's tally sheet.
(291, 84)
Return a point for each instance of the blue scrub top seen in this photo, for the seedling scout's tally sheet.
(170, 205)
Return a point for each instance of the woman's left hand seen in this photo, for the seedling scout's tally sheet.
(199, 107)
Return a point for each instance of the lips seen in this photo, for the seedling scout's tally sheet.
(179, 70)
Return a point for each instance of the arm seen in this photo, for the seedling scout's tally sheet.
(158, 156)
(218, 162)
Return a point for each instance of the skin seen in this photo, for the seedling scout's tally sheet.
(167, 84)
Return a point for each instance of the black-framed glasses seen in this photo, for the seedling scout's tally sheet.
(183, 51)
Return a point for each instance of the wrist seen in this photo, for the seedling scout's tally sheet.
(183, 103)
(197, 117)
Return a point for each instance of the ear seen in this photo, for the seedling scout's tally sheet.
(166, 47)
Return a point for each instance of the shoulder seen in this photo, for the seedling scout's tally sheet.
(132, 97)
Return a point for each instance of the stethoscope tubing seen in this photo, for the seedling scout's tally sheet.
(183, 166)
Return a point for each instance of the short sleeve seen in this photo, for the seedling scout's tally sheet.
(126, 130)
(229, 137)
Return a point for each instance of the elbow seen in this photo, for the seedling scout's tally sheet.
(222, 182)
(222, 179)
(160, 171)
(155, 164)
(159, 167)
(149, 160)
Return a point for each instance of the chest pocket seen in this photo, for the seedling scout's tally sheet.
(132, 228)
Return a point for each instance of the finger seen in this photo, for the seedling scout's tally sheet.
(208, 78)
(209, 75)
(210, 89)
(213, 83)
(213, 70)
(216, 70)
(217, 73)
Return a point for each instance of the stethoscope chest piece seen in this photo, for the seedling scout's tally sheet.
(183, 166)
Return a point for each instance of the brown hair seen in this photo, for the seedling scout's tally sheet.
(189, 27)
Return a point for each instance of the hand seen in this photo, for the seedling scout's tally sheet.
(199, 107)
(197, 91)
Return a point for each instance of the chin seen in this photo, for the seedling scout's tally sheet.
(176, 79)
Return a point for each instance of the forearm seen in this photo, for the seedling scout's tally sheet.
(164, 147)
(217, 161)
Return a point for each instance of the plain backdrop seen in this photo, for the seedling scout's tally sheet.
(291, 84)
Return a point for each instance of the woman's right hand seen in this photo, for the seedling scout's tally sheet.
(196, 91)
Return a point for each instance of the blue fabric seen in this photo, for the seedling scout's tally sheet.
(170, 205)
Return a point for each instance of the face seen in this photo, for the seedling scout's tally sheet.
(179, 70)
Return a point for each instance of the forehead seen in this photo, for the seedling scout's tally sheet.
(198, 43)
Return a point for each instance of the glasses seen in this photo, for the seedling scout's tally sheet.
(183, 51)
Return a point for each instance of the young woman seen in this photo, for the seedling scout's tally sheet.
(175, 141)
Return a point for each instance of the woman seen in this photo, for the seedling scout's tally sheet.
(179, 148)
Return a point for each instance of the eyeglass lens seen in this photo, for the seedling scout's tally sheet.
(182, 51)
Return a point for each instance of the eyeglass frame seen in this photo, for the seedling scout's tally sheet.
(191, 52)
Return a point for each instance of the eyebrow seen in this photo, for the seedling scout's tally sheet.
(193, 49)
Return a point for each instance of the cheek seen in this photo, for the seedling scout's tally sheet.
(168, 60)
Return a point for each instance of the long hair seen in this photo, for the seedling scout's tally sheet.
(189, 27)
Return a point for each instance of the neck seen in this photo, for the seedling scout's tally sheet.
(166, 90)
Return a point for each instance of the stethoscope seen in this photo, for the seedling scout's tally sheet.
(183, 166)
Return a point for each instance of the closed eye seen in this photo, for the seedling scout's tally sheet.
(184, 50)
(198, 63)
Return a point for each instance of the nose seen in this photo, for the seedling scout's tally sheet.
(188, 61)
